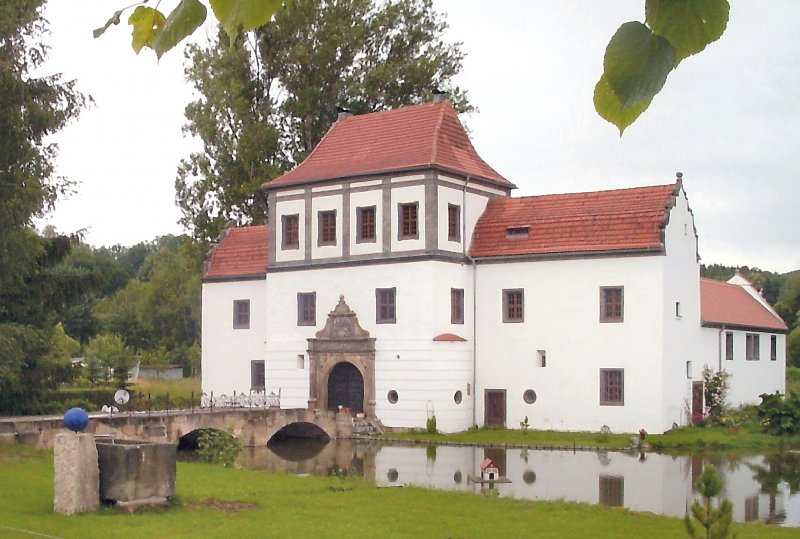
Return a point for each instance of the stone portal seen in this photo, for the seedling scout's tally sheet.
(342, 364)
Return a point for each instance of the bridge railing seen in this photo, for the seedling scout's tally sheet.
(252, 399)
(147, 402)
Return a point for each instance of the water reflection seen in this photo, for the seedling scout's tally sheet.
(760, 488)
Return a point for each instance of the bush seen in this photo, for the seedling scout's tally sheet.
(218, 447)
(779, 415)
(430, 425)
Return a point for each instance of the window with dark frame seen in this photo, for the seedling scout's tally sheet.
(365, 224)
(453, 222)
(514, 305)
(456, 305)
(258, 375)
(729, 346)
(612, 387)
(241, 314)
(517, 232)
(752, 346)
(290, 225)
(773, 347)
(306, 308)
(327, 227)
(385, 305)
(611, 304)
(612, 490)
(408, 224)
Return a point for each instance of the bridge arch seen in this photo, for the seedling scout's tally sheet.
(300, 429)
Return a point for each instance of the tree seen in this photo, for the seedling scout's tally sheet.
(112, 354)
(716, 521)
(267, 101)
(32, 107)
(640, 56)
(793, 347)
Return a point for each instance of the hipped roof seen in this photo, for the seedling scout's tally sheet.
(242, 253)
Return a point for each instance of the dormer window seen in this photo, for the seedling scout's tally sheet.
(517, 232)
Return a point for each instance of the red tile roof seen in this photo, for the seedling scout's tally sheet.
(731, 305)
(243, 252)
(618, 220)
(449, 337)
(405, 139)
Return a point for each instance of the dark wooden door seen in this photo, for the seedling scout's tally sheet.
(494, 408)
(697, 400)
(346, 388)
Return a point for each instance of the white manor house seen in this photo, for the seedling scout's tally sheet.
(397, 277)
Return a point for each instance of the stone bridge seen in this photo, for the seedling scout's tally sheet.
(253, 427)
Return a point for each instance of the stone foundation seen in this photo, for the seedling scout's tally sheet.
(133, 473)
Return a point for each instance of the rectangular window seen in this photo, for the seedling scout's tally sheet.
(517, 232)
(456, 305)
(729, 346)
(306, 308)
(327, 228)
(611, 304)
(241, 314)
(542, 357)
(257, 375)
(612, 490)
(752, 345)
(365, 224)
(453, 222)
(612, 387)
(408, 224)
(773, 348)
(385, 306)
(514, 305)
(301, 361)
(291, 231)
(677, 309)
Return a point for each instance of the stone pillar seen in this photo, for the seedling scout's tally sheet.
(77, 476)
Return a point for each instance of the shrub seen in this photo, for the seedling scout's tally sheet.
(779, 415)
(430, 425)
(218, 447)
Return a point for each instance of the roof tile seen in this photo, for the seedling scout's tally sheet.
(410, 138)
(243, 252)
(731, 305)
(617, 220)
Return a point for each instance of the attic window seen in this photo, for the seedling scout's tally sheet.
(517, 232)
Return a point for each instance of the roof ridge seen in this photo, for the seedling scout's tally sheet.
(603, 191)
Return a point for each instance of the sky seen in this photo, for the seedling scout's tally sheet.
(728, 119)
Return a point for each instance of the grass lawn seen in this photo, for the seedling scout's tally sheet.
(520, 437)
(163, 391)
(219, 502)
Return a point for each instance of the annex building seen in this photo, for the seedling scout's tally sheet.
(398, 277)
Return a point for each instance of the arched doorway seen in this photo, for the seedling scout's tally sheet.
(346, 388)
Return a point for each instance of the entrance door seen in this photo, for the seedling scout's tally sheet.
(494, 408)
(346, 388)
(697, 401)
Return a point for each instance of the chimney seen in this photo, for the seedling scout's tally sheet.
(343, 113)
(439, 96)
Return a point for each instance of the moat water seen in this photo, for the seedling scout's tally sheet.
(765, 488)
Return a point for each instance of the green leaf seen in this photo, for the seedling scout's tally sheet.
(610, 108)
(689, 25)
(239, 16)
(146, 23)
(183, 20)
(637, 63)
(113, 20)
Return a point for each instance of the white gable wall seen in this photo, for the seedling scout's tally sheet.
(227, 352)
(562, 311)
(681, 324)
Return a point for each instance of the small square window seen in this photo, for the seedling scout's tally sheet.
(612, 387)
(290, 224)
(306, 308)
(408, 224)
(241, 314)
(365, 225)
(513, 305)
(327, 228)
(611, 304)
(456, 305)
(773, 347)
(752, 347)
(453, 222)
(257, 375)
(385, 306)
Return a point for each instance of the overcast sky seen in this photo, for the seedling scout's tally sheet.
(727, 118)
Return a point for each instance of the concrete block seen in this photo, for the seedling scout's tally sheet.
(77, 477)
(133, 471)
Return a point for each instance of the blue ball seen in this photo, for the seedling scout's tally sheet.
(76, 419)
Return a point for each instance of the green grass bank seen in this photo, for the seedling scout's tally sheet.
(218, 502)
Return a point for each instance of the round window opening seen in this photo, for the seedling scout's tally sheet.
(457, 397)
(457, 477)
(392, 396)
(392, 475)
(529, 396)
(529, 477)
